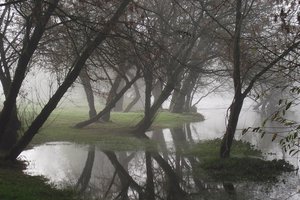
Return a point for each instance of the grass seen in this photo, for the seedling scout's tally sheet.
(14, 185)
(245, 163)
(59, 127)
(210, 149)
(245, 169)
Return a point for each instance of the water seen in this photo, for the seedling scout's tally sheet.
(104, 174)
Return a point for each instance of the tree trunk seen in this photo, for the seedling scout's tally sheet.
(146, 122)
(86, 83)
(228, 137)
(157, 89)
(119, 104)
(174, 96)
(186, 89)
(69, 80)
(178, 137)
(9, 138)
(148, 77)
(111, 95)
(135, 100)
(125, 178)
(237, 103)
(189, 97)
(85, 176)
(179, 98)
(175, 191)
(30, 44)
(188, 102)
(10, 135)
(109, 106)
(149, 182)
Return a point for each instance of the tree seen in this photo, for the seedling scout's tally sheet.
(85, 80)
(173, 46)
(8, 53)
(246, 68)
(35, 27)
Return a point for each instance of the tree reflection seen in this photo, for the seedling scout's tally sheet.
(126, 180)
(84, 179)
(148, 175)
(158, 174)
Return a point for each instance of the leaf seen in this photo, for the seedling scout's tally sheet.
(264, 122)
(295, 152)
(295, 135)
(288, 105)
(289, 123)
(293, 89)
(275, 115)
(274, 137)
(245, 131)
(282, 142)
(291, 151)
(263, 134)
(256, 129)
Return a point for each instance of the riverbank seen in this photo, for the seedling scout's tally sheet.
(14, 184)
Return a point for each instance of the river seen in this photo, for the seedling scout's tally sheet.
(103, 174)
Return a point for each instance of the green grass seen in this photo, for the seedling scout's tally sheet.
(245, 163)
(59, 126)
(245, 169)
(210, 149)
(14, 185)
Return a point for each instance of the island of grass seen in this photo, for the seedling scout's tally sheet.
(60, 126)
(245, 164)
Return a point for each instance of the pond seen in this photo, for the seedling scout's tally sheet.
(98, 173)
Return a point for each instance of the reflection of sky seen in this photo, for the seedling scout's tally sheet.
(57, 162)
(63, 164)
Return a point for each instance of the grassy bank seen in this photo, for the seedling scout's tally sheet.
(245, 163)
(14, 185)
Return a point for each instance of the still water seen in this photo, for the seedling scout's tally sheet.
(102, 174)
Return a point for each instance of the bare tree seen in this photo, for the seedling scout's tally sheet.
(35, 27)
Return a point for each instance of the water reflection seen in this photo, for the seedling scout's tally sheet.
(165, 174)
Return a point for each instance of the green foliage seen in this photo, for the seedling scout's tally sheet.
(290, 143)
